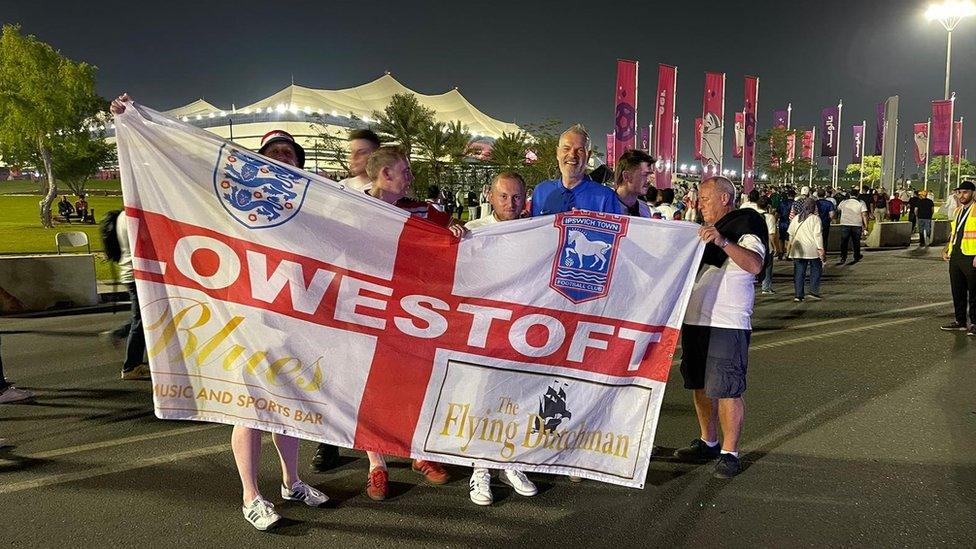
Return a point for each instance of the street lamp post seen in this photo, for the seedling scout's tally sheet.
(949, 13)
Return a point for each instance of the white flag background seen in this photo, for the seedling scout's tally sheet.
(276, 299)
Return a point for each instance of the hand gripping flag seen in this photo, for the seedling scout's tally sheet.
(276, 299)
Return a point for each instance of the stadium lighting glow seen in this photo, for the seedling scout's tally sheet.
(763, 177)
(335, 113)
(949, 13)
(199, 117)
(211, 115)
(684, 167)
(269, 110)
(185, 119)
(223, 113)
(694, 168)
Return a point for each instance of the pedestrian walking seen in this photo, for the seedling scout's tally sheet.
(924, 210)
(806, 250)
(853, 223)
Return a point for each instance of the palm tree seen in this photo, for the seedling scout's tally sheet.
(404, 119)
(508, 151)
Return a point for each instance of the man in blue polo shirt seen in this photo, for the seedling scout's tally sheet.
(574, 191)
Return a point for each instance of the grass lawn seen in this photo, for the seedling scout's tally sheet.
(25, 187)
(21, 231)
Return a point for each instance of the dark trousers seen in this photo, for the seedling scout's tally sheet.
(848, 232)
(135, 338)
(962, 280)
(800, 267)
(825, 232)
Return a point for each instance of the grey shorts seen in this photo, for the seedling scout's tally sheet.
(715, 359)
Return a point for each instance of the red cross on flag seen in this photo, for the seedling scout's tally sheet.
(279, 300)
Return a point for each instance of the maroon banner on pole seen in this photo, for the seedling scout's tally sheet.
(740, 122)
(645, 139)
(921, 139)
(790, 147)
(806, 150)
(828, 139)
(611, 152)
(941, 127)
(698, 138)
(957, 142)
(713, 113)
(625, 108)
(858, 143)
(667, 79)
(780, 118)
(749, 146)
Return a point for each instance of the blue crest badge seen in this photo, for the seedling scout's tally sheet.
(256, 192)
(588, 244)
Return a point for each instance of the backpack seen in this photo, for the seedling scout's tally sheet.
(110, 238)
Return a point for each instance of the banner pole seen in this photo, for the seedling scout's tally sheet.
(813, 145)
(959, 164)
(864, 134)
(894, 158)
(840, 124)
(947, 163)
(928, 137)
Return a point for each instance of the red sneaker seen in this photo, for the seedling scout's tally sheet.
(434, 472)
(376, 484)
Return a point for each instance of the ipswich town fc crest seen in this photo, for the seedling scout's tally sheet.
(257, 193)
(588, 244)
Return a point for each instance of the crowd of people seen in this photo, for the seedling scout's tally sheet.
(743, 236)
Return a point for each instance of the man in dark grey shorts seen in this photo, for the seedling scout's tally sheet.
(718, 324)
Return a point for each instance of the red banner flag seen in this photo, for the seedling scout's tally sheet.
(713, 112)
(957, 142)
(806, 151)
(921, 139)
(698, 137)
(790, 147)
(940, 133)
(611, 153)
(667, 80)
(740, 121)
(625, 107)
(749, 147)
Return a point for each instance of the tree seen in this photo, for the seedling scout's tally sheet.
(872, 171)
(403, 120)
(77, 156)
(772, 153)
(937, 171)
(333, 147)
(542, 148)
(43, 96)
(442, 148)
(508, 151)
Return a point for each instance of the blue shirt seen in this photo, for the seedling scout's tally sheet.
(551, 197)
(785, 206)
(824, 207)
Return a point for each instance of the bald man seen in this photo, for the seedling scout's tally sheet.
(717, 325)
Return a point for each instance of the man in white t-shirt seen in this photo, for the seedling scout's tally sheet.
(718, 324)
(506, 195)
(362, 143)
(853, 215)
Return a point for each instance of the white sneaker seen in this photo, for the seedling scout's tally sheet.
(261, 514)
(518, 481)
(303, 492)
(480, 484)
(13, 394)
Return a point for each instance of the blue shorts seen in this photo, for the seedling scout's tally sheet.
(715, 359)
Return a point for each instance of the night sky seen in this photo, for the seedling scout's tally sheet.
(524, 61)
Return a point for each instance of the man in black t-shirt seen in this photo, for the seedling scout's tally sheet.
(631, 174)
(923, 215)
(912, 204)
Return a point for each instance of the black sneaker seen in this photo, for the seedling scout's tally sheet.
(953, 327)
(841, 262)
(698, 452)
(326, 457)
(972, 331)
(727, 466)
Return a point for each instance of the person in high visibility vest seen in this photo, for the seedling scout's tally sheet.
(961, 255)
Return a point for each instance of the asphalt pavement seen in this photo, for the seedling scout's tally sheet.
(860, 431)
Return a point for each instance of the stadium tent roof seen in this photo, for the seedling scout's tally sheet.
(362, 101)
(198, 107)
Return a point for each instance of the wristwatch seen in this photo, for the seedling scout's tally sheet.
(725, 242)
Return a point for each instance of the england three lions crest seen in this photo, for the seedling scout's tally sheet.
(256, 192)
(588, 245)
